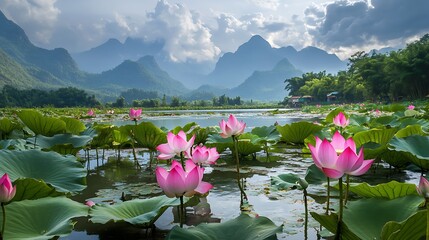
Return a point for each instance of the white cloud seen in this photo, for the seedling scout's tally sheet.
(267, 4)
(38, 15)
(185, 35)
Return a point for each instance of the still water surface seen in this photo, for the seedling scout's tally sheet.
(107, 184)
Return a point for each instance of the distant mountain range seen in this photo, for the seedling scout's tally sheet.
(255, 71)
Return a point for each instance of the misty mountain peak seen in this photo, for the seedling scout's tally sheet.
(255, 42)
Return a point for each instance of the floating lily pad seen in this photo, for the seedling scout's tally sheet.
(413, 227)
(297, 132)
(243, 227)
(62, 172)
(390, 190)
(44, 218)
(138, 211)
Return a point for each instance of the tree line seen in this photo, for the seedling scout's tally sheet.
(398, 75)
(62, 97)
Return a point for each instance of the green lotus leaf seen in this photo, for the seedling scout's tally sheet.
(384, 121)
(415, 145)
(247, 147)
(410, 130)
(314, 175)
(7, 126)
(365, 218)
(201, 134)
(397, 159)
(221, 144)
(359, 120)
(31, 189)
(411, 113)
(40, 219)
(390, 190)
(330, 223)
(14, 144)
(374, 141)
(287, 181)
(61, 139)
(414, 121)
(413, 227)
(297, 132)
(39, 124)
(104, 136)
(142, 212)
(148, 135)
(242, 227)
(121, 136)
(267, 134)
(64, 173)
(73, 126)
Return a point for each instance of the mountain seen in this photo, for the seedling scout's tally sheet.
(267, 85)
(232, 68)
(312, 59)
(205, 92)
(258, 55)
(112, 53)
(46, 65)
(142, 74)
(14, 74)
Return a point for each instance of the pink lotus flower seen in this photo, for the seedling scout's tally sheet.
(340, 120)
(7, 192)
(232, 127)
(423, 188)
(179, 182)
(411, 107)
(135, 114)
(339, 157)
(89, 203)
(90, 113)
(175, 145)
(203, 155)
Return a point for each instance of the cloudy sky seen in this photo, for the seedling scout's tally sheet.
(202, 30)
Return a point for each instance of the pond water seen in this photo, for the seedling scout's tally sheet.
(107, 184)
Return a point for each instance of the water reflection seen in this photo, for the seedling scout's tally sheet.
(107, 183)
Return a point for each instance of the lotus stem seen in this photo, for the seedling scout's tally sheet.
(346, 196)
(340, 211)
(181, 212)
(4, 220)
(328, 196)
(305, 215)
(427, 218)
(243, 195)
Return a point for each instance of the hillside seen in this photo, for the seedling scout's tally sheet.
(143, 74)
(266, 85)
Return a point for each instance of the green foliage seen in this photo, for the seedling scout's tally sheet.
(143, 212)
(240, 228)
(414, 145)
(63, 173)
(148, 135)
(390, 190)
(413, 227)
(62, 97)
(376, 77)
(42, 219)
(297, 132)
(39, 124)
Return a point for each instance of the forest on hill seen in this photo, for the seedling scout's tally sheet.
(398, 75)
